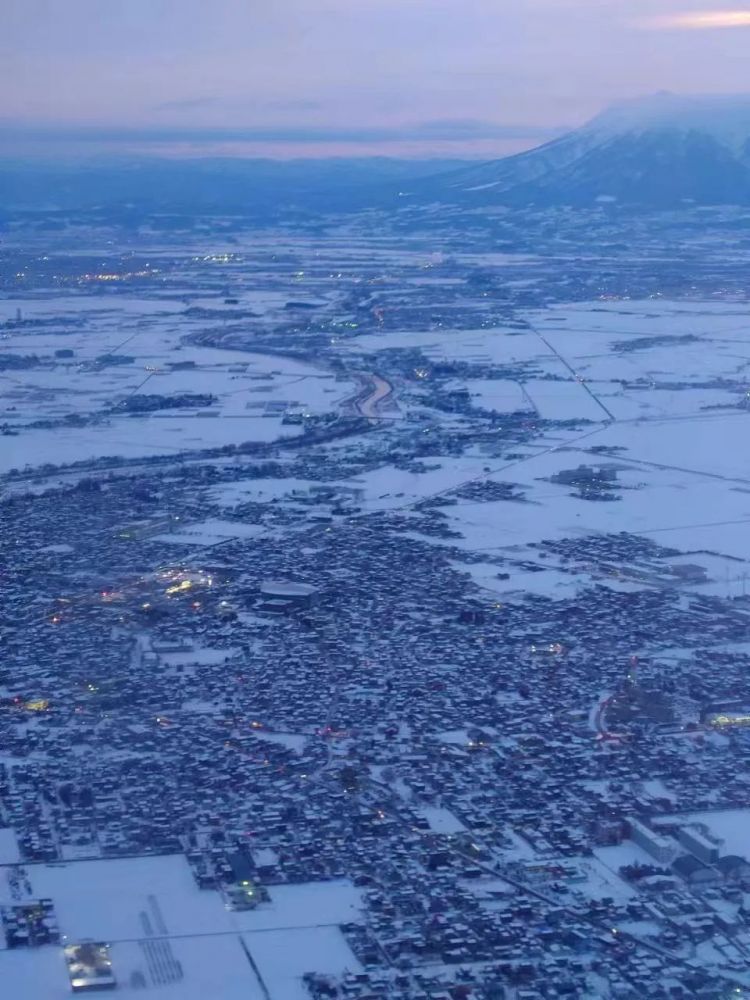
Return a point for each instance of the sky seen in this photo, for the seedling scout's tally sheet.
(461, 78)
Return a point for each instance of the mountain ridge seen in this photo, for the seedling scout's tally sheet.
(658, 152)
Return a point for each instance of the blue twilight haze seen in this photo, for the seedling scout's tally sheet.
(406, 77)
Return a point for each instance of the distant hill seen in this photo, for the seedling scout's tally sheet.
(130, 187)
(658, 152)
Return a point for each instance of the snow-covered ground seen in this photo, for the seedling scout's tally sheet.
(637, 371)
(283, 957)
(9, 853)
(495, 345)
(138, 904)
(732, 826)
(84, 893)
(619, 855)
(441, 820)
(210, 532)
(252, 390)
(256, 490)
(387, 487)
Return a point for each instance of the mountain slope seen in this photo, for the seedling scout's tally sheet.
(657, 152)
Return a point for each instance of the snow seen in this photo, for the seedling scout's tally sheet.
(128, 901)
(151, 331)
(676, 507)
(497, 394)
(9, 853)
(566, 400)
(732, 826)
(601, 881)
(657, 788)
(520, 850)
(283, 957)
(495, 345)
(441, 820)
(389, 488)
(619, 855)
(256, 490)
(84, 891)
(682, 484)
(212, 531)
(550, 582)
(726, 117)
(459, 737)
(106, 900)
(213, 966)
(708, 444)
(640, 928)
(198, 657)
(292, 741)
(306, 904)
(66, 305)
(138, 437)
(34, 974)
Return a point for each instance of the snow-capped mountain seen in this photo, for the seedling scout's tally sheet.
(659, 151)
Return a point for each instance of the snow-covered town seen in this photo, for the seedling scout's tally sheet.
(374, 609)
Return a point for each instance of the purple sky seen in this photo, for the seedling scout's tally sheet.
(398, 77)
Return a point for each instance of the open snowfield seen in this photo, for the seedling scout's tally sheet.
(209, 532)
(388, 488)
(664, 502)
(181, 940)
(680, 457)
(672, 408)
(309, 904)
(501, 395)
(111, 899)
(640, 342)
(619, 855)
(242, 491)
(215, 965)
(9, 853)
(680, 445)
(441, 820)
(601, 882)
(252, 390)
(283, 957)
(491, 346)
(107, 900)
(35, 974)
(139, 437)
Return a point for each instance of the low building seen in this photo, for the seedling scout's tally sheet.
(89, 966)
(733, 868)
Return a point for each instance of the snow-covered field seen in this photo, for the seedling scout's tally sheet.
(678, 508)
(9, 853)
(283, 957)
(661, 381)
(389, 488)
(441, 820)
(138, 904)
(209, 532)
(163, 888)
(477, 346)
(256, 490)
(252, 390)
